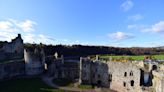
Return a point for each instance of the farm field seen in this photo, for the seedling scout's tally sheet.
(139, 57)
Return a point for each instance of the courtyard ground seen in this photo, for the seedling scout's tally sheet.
(26, 85)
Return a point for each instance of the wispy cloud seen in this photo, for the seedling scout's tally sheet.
(135, 17)
(136, 26)
(7, 36)
(27, 25)
(132, 26)
(12, 25)
(32, 38)
(7, 26)
(127, 5)
(120, 36)
(155, 28)
(10, 28)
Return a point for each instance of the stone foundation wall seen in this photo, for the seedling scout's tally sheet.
(12, 69)
(66, 69)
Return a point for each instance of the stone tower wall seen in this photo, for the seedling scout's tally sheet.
(125, 77)
(12, 69)
(34, 62)
(15, 46)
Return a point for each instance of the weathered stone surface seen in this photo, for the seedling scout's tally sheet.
(12, 69)
(34, 61)
(158, 81)
(13, 49)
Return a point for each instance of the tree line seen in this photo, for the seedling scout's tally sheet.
(81, 50)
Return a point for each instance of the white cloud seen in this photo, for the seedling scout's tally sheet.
(10, 28)
(77, 41)
(7, 26)
(155, 28)
(127, 5)
(27, 25)
(120, 36)
(135, 17)
(12, 25)
(32, 38)
(6, 36)
(136, 27)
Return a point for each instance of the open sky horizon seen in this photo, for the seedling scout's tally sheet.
(119, 23)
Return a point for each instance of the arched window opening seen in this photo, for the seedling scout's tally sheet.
(110, 77)
(131, 73)
(154, 67)
(125, 74)
(124, 84)
(132, 83)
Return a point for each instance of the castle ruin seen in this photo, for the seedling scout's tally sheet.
(130, 76)
(34, 61)
(13, 49)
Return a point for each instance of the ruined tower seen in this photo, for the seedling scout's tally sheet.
(34, 61)
(15, 46)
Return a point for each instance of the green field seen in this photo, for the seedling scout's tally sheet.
(26, 85)
(139, 57)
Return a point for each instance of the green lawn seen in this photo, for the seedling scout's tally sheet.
(84, 86)
(26, 85)
(139, 57)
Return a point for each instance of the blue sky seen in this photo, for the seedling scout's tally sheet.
(123, 23)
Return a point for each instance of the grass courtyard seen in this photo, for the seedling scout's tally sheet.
(139, 57)
(69, 83)
(26, 85)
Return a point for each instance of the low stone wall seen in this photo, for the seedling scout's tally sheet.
(12, 69)
(9, 56)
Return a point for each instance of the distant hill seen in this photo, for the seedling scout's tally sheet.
(83, 50)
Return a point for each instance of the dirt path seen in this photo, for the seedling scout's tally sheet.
(48, 81)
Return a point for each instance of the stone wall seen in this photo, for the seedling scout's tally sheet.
(12, 50)
(12, 69)
(100, 74)
(125, 77)
(15, 46)
(60, 68)
(95, 73)
(34, 61)
(85, 71)
(119, 76)
(158, 81)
